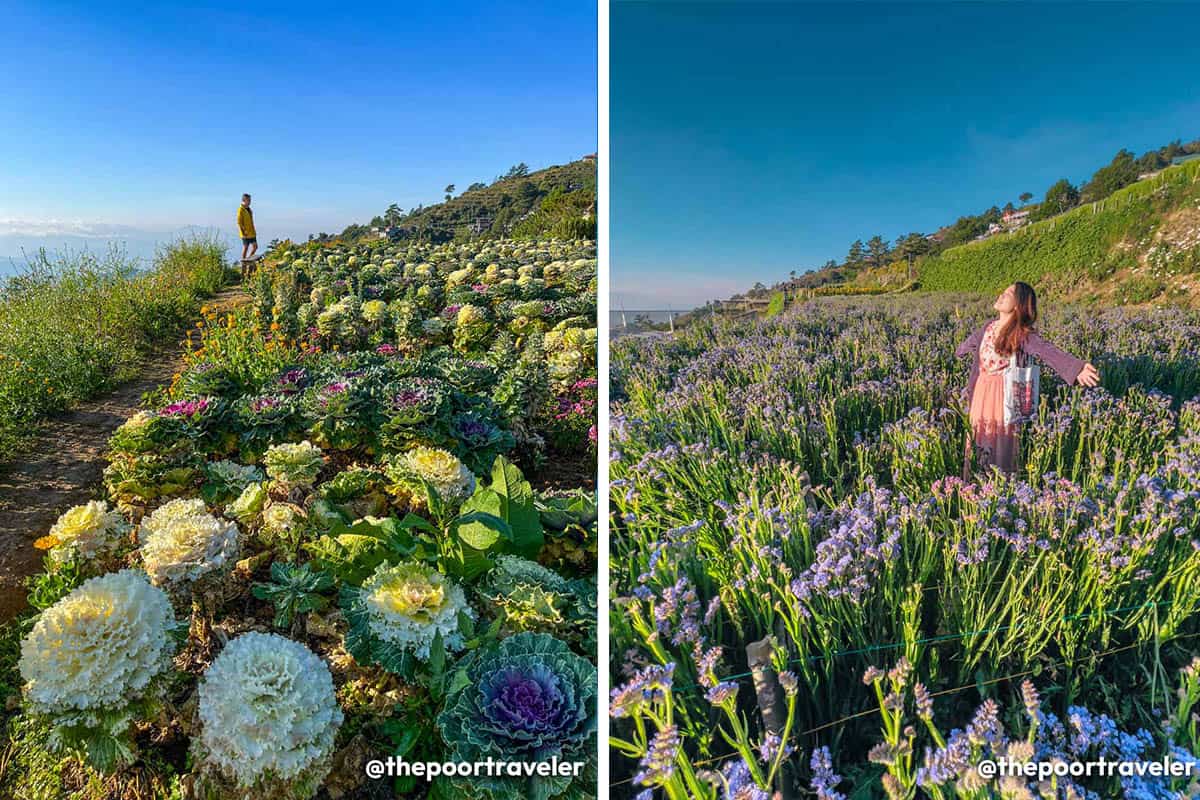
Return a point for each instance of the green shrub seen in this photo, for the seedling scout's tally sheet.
(78, 324)
(1077, 245)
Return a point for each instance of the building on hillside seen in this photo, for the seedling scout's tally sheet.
(1177, 160)
(995, 228)
(1015, 218)
(1147, 175)
(937, 236)
(589, 157)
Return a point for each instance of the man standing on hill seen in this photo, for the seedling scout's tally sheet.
(245, 222)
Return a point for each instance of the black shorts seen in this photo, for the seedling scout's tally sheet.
(251, 240)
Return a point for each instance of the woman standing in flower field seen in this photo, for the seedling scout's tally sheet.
(992, 347)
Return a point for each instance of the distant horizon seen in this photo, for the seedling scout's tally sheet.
(145, 119)
(57, 235)
(754, 141)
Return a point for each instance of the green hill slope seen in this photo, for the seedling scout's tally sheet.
(1141, 243)
(557, 201)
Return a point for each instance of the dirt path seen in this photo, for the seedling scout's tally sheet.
(63, 467)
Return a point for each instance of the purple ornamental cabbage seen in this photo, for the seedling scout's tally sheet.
(529, 699)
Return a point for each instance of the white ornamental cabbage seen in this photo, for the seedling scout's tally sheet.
(408, 604)
(182, 542)
(88, 531)
(268, 713)
(440, 468)
(99, 647)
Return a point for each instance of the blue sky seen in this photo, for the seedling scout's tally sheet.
(748, 140)
(131, 119)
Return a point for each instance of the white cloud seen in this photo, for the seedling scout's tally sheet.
(15, 226)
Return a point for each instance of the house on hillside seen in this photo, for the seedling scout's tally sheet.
(937, 236)
(589, 157)
(1177, 160)
(1015, 218)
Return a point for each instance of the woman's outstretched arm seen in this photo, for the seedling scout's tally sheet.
(1070, 369)
(971, 344)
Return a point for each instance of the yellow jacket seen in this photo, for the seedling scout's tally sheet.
(245, 220)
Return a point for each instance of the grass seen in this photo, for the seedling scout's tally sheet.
(75, 325)
(1089, 243)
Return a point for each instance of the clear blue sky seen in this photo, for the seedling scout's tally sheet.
(141, 117)
(748, 140)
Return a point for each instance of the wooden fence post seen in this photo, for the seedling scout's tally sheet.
(771, 702)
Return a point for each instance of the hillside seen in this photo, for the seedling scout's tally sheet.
(1140, 244)
(558, 201)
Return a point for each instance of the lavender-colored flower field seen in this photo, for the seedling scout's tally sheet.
(798, 480)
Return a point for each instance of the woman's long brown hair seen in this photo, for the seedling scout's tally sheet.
(1010, 337)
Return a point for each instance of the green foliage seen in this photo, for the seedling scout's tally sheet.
(558, 201)
(1060, 198)
(77, 325)
(350, 553)
(1118, 174)
(1081, 244)
(293, 590)
(47, 588)
(502, 510)
(775, 306)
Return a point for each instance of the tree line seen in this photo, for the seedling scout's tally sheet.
(1060, 197)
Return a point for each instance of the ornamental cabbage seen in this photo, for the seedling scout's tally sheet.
(86, 532)
(527, 699)
(529, 596)
(249, 504)
(294, 465)
(99, 646)
(438, 468)
(373, 311)
(93, 661)
(398, 613)
(182, 542)
(268, 717)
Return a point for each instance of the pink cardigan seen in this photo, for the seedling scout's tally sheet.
(1066, 365)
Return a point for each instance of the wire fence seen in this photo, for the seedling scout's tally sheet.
(874, 709)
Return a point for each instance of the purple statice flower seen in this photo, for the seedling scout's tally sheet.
(946, 763)
(386, 350)
(737, 782)
(658, 765)
(722, 693)
(335, 388)
(768, 748)
(824, 779)
(649, 685)
(1030, 699)
(923, 700)
(450, 311)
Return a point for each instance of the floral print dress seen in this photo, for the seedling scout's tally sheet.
(995, 443)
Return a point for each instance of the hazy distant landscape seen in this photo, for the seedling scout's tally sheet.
(17, 247)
